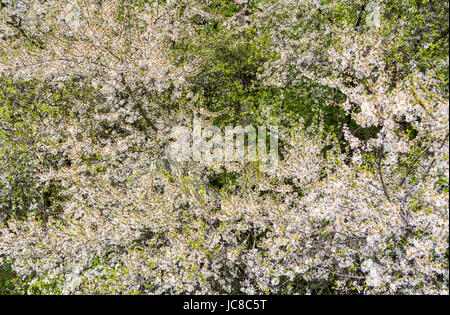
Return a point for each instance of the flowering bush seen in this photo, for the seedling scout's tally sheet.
(90, 202)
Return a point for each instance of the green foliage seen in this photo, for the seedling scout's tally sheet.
(7, 279)
(421, 41)
(231, 81)
(25, 107)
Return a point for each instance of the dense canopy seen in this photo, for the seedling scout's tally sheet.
(90, 202)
